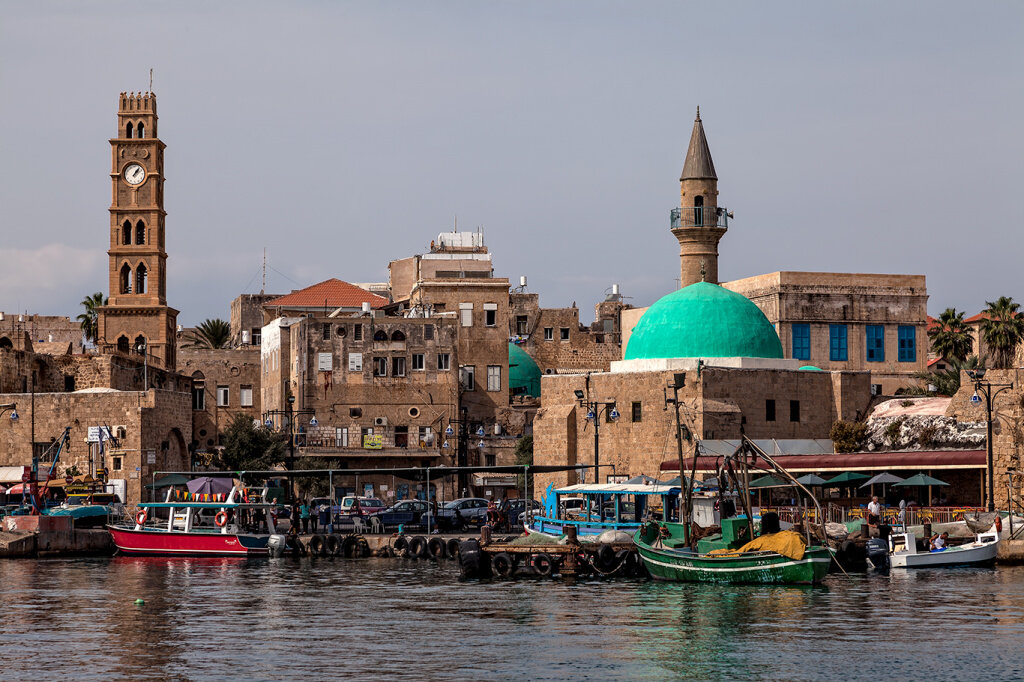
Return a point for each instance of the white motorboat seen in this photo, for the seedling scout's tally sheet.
(903, 552)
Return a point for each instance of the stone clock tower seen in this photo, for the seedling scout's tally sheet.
(699, 223)
(137, 318)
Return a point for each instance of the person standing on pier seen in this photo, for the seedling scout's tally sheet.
(313, 516)
(324, 512)
(295, 517)
(874, 511)
(304, 515)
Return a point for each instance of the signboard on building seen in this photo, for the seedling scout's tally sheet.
(95, 431)
(373, 442)
(325, 362)
(150, 456)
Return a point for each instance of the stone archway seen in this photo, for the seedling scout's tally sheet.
(175, 455)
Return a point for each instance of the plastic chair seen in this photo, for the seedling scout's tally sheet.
(358, 525)
(376, 525)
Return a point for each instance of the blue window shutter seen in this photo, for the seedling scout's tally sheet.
(837, 343)
(907, 343)
(801, 341)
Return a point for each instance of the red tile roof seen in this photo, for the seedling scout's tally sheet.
(331, 293)
(977, 318)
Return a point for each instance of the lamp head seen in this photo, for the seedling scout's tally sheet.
(291, 400)
(445, 444)
(480, 445)
(14, 415)
(480, 432)
(449, 431)
(614, 414)
(590, 415)
(313, 422)
(579, 394)
(979, 373)
(268, 423)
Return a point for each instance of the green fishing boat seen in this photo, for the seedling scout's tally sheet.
(663, 548)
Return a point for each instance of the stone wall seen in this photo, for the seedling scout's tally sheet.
(556, 340)
(42, 329)
(238, 371)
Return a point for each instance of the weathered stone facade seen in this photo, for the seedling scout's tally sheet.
(556, 340)
(47, 331)
(225, 383)
(247, 318)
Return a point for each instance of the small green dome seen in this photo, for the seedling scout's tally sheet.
(811, 368)
(523, 373)
(703, 320)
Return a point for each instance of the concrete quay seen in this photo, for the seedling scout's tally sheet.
(51, 536)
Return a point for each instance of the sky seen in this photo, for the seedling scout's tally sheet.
(847, 137)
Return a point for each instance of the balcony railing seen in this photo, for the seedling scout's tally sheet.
(699, 216)
(330, 443)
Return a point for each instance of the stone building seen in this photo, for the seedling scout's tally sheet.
(225, 382)
(246, 318)
(44, 333)
(137, 318)
(736, 381)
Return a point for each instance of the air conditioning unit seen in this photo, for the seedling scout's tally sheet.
(380, 421)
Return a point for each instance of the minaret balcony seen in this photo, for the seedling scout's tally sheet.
(699, 216)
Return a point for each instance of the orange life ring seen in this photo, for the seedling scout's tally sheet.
(221, 519)
(141, 517)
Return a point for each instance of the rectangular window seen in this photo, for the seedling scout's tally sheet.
(417, 361)
(490, 460)
(222, 396)
(428, 332)
(357, 333)
(549, 333)
(874, 342)
(907, 343)
(257, 334)
(380, 367)
(245, 396)
(637, 412)
(398, 367)
(563, 333)
(325, 362)
(837, 348)
(493, 377)
(521, 324)
(199, 396)
(466, 314)
(355, 362)
(325, 331)
(341, 437)
(801, 341)
(794, 410)
(467, 375)
(444, 361)
(116, 463)
(491, 314)
(769, 410)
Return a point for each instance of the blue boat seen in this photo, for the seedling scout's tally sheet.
(596, 508)
(89, 510)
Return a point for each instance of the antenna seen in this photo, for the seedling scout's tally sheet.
(263, 284)
(151, 80)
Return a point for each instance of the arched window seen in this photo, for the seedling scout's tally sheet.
(380, 335)
(698, 211)
(128, 130)
(398, 336)
(126, 232)
(141, 274)
(141, 131)
(126, 279)
(6, 342)
(122, 344)
(140, 232)
(140, 345)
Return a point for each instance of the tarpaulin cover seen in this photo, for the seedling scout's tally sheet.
(788, 543)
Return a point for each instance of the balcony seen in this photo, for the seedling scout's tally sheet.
(699, 216)
(329, 445)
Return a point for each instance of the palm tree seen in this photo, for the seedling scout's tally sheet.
(947, 381)
(951, 337)
(1002, 330)
(213, 333)
(89, 318)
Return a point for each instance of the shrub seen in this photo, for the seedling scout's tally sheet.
(892, 431)
(848, 436)
(927, 436)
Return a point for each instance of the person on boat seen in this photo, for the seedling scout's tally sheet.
(304, 515)
(938, 541)
(874, 511)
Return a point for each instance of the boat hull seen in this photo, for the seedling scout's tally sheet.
(752, 568)
(152, 542)
(556, 528)
(964, 555)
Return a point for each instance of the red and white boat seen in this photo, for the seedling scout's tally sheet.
(235, 524)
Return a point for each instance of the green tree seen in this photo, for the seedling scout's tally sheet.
(951, 336)
(1002, 330)
(212, 333)
(524, 456)
(313, 486)
(88, 319)
(248, 447)
(947, 381)
(848, 436)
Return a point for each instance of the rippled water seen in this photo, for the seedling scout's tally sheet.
(380, 618)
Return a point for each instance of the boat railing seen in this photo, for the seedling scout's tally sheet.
(598, 524)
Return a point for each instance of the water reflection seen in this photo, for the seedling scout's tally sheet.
(216, 618)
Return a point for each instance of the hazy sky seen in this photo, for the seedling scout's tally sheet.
(864, 137)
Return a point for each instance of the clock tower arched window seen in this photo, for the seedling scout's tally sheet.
(141, 130)
(140, 278)
(126, 279)
(140, 232)
(122, 344)
(126, 233)
(128, 130)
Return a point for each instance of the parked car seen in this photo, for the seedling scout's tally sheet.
(458, 514)
(404, 513)
(517, 512)
(367, 505)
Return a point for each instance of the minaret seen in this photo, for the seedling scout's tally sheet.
(137, 318)
(698, 223)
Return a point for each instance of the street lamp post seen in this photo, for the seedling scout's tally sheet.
(595, 408)
(289, 414)
(985, 388)
(461, 448)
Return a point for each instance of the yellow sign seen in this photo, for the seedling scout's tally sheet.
(373, 442)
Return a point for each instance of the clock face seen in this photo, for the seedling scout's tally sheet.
(134, 174)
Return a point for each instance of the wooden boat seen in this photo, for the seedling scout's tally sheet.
(87, 509)
(603, 507)
(201, 525)
(736, 555)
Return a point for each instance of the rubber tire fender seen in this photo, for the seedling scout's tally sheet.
(543, 564)
(401, 542)
(332, 545)
(606, 556)
(418, 547)
(502, 564)
(361, 548)
(317, 545)
(347, 546)
(472, 562)
(453, 548)
(436, 548)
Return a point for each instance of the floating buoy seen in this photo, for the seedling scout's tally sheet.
(140, 601)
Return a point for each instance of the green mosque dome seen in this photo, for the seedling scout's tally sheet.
(703, 320)
(523, 373)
